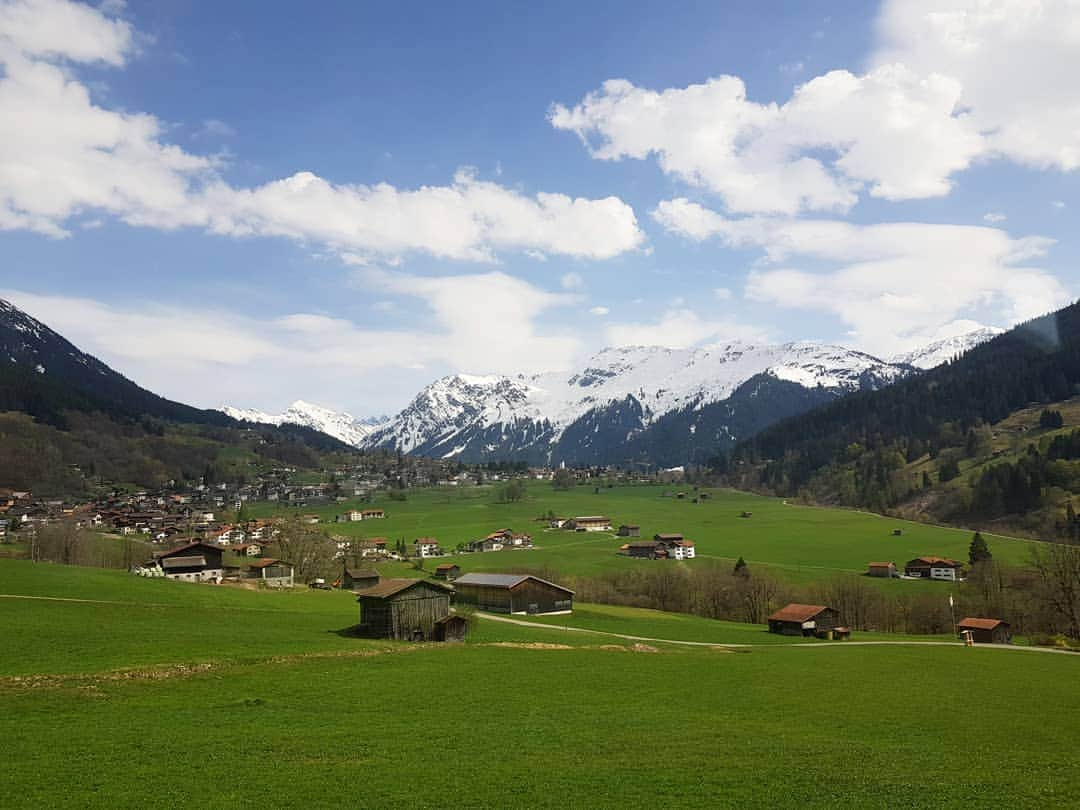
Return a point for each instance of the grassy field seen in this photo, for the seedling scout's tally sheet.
(162, 693)
(800, 543)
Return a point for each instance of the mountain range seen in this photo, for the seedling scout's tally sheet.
(627, 404)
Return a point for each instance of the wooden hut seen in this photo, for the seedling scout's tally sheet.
(986, 631)
(405, 609)
(881, 569)
(358, 579)
(804, 620)
(629, 530)
(447, 571)
(513, 593)
(451, 628)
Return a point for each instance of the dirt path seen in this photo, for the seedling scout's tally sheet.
(736, 645)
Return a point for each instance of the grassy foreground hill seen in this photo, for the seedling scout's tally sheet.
(194, 696)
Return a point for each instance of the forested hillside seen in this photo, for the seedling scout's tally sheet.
(932, 443)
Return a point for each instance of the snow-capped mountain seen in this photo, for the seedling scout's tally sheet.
(610, 407)
(941, 351)
(341, 426)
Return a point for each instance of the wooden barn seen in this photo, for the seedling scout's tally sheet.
(194, 562)
(404, 609)
(629, 530)
(648, 549)
(513, 593)
(881, 569)
(804, 620)
(271, 572)
(986, 631)
(358, 579)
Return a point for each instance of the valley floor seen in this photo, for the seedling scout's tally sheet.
(167, 694)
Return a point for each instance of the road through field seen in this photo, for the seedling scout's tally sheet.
(627, 637)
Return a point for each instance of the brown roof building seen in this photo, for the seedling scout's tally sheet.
(986, 631)
(804, 620)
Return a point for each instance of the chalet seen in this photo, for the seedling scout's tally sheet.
(405, 609)
(372, 514)
(486, 544)
(521, 540)
(353, 515)
(426, 547)
(271, 572)
(227, 535)
(881, 569)
(986, 631)
(677, 546)
(249, 549)
(590, 523)
(558, 523)
(513, 593)
(358, 579)
(447, 571)
(195, 562)
(629, 530)
(934, 568)
(804, 620)
(373, 547)
(649, 549)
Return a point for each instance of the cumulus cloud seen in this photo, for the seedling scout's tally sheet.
(948, 84)
(599, 311)
(887, 282)
(62, 154)
(679, 328)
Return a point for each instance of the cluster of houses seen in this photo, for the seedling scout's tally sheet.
(356, 515)
(661, 547)
(941, 568)
(500, 539)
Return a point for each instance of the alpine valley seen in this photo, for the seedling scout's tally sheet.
(631, 404)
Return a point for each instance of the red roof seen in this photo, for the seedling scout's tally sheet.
(982, 624)
(937, 561)
(797, 613)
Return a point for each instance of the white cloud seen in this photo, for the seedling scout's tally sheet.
(887, 282)
(994, 217)
(948, 84)
(61, 154)
(680, 328)
(722, 294)
(601, 311)
(1059, 204)
(211, 355)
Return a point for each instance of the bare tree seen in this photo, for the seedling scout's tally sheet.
(1058, 584)
(308, 550)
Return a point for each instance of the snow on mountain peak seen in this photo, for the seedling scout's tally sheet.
(341, 426)
(941, 351)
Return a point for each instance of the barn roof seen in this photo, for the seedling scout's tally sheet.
(445, 566)
(936, 561)
(392, 587)
(265, 562)
(183, 562)
(362, 573)
(982, 624)
(880, 564)
(669, 537)
(188, 547)
(797, 613)
(504, 581)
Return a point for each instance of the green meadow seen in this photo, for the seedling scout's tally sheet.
(154, 693)
(798, 543)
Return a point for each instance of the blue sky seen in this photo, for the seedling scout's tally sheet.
(242, 203)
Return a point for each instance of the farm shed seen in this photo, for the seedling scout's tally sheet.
(986, 631)
(404, 609)
(513, 593)
(275, 573)
(357, 579)
(648, 549)
(803, 620)
(590, 523)
(451, 628)
(881, 569)
(447, 571)
(629, 530)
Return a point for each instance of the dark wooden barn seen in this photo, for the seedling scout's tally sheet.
(194, 561)
(804, 620)
(513, 593)
(629, 530)
(447, 571)
(649, 549)
(986, 631)
(357, 579)
(405, 609)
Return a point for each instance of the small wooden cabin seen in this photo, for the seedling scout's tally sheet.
(629, 530)
(986, 631)
(447, 571)
(647, 549)
(452, 628)
(804, 620)
(404, 609)
(513, 593)
(358, 579)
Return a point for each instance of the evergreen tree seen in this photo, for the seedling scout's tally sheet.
(741, 568)
(978, 551)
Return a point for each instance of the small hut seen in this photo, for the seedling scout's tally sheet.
(986, 631)
(804, 620)
(447, 571)
(357, 579)
(405, 609)
(886, 570)
(451, 628)
(629, 530)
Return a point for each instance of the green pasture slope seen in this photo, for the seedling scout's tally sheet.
(170, 694)
(800, 543)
